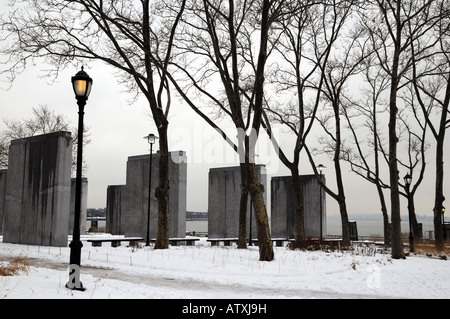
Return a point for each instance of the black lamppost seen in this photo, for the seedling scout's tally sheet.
(82, 85)
(321, 168)
(250, 232)
(151, 138)
(407, 180)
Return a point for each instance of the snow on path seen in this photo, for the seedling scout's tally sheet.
(223, 272)
(182, 287)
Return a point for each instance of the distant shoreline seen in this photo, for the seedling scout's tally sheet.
(203, 216)
(365, 227)
(379, 217)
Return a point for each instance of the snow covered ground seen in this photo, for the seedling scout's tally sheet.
(202, 271)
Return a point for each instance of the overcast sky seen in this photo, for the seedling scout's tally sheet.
(117, 129)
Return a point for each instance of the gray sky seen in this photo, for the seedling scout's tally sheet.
(117, 128)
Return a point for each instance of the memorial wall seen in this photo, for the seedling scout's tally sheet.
(127, 205)
(37, 197)
(224, 196)
(283, 207)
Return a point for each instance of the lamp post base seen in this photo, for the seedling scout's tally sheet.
(74, 282)
(74, 287)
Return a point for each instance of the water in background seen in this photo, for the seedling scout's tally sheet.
(197, 226)
(365, 227)
(373, 227)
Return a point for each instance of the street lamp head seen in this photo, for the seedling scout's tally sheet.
(82, 85)
(151, 138)
(321, 168)
(407, 179)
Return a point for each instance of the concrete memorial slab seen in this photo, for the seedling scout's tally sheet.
(3, 174)
(283, 207)
(224, 194)
(127, 205)
(37, 196)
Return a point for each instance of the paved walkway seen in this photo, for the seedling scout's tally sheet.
(209, 288)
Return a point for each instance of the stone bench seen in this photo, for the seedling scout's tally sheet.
(279, 241)
(226, 241)
(175, 241)
(115, 242)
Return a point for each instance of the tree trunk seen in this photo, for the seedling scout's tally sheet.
(397, 245)
(256, 191)
(439, 193)
(162, 192)
(414, 224)
(386, 228)
(340, 183)
(242, 239)
(345, 223)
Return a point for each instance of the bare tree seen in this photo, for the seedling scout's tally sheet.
(368, 162)
(346, 63)
(223, 49)
(387, 23)
(416, 146)
(430, 78)
(130, 36)
(368, 111)
(305, 42)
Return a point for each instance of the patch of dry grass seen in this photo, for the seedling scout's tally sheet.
(428, 248)
(14, 267)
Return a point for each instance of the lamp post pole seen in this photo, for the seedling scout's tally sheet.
(407, 180)
(151, 139)
(250, 222)
(82, 84)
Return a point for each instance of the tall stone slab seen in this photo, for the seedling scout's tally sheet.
(114, 208)
(38, 190)
(224, 195)
(283, 207)
(3, 175)
(128, 205)
(83, 214)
